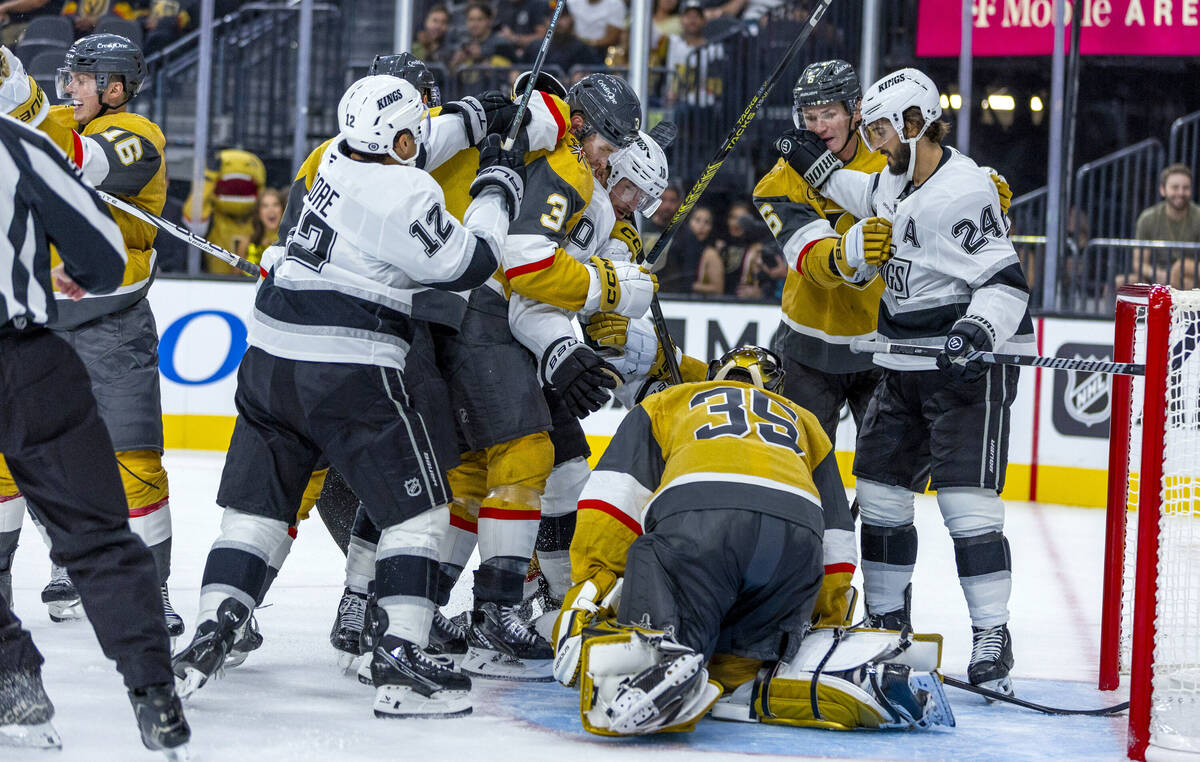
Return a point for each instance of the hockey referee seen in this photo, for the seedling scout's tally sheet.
(59, 449)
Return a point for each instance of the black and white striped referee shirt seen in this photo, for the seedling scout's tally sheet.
(44, 200)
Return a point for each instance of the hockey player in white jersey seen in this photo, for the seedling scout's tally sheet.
(328, 341)
(931, 227)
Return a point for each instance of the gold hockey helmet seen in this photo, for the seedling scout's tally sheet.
(751, 364)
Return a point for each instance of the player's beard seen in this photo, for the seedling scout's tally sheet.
(898, 160)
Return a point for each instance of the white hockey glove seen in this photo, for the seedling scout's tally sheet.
(621, 287)
(579, 376)
(630, 345)
(20, 97)
(501, 169)
(863, 249)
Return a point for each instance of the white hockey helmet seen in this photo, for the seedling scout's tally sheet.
(376, 109)
(885, 102)
(643, 164)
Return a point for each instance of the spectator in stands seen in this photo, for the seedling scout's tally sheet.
(666, 18)
(671, 198)
(1176, 218)
(681, 273)
(568, 51)
(734, 262)
(431, 43)
(599, 23)
(265, 226)
(228, 202)
(690, 83)
(15, 15)
(478, 47)
(521, 26)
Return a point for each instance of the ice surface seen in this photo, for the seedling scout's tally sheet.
(290, 703)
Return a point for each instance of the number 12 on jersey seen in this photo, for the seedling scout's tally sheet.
(728, 407)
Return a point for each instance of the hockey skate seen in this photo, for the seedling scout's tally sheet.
(446, 636)
(173, 620)
(991, 659)
(539, 603)
(898, 620)
(61, 597)
(25, 711)
(160, 720)
(248, 639)
(6, 587)
(205, 656)
(348, 626)
(502, 647)
(411, 683)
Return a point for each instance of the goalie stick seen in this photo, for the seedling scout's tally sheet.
(185, 235)
(997, 358)
(515, 127)
(710, 171)
(997, 696)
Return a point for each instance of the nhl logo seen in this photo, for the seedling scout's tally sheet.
(412, 486)
(1086, 395)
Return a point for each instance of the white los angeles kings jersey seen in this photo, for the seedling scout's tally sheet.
(952, 257)
(370, 240)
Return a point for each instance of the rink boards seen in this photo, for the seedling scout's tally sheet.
(1059, 434)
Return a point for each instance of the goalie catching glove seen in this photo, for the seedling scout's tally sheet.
(579, 376)
(621, 287)
(501, 169)
(805, 152)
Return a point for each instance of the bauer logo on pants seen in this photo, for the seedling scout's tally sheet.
(1081, 399)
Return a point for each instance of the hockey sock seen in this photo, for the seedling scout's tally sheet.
(146, 490)
(237, 563)
(557, 526)
(406, 573)
(12, 513)
(360, 553)
(508, 526)
(459, 542)
(888, 557)
(985, 571)
(337, 506)
(275, 563)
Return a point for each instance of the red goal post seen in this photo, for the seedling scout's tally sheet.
(1150, 623)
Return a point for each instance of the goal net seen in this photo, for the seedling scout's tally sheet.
(1151, 609)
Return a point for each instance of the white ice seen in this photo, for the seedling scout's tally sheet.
(290, 703)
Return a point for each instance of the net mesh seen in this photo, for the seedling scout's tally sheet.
(1175, 705)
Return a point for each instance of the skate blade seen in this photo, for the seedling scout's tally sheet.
(363, 670)
(235, 659)
(400, 702)
(346, 661)
(493, 665)
(178, 754)
(65, 611)
(192, 680)
(999, 685)
(39, 736)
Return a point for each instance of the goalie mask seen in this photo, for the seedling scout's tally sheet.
(884, 105)
(413, 70)
(638, 175)
(103, 56)
(376, 109)
(753, 365)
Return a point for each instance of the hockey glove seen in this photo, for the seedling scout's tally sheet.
(807, 154)
(502, 169)
(621, 287)
(630, 346)
(500, 110)
(970, 334)
(1001, 188)
(20, 97)
(474, 116)
(579, 376)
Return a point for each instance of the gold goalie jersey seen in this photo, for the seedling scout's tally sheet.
(819, 321)
(711, 444)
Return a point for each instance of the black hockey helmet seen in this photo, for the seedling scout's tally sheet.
(104, 55)
(824, 82)
(750, 364)
(546, 82)
(413, 70)
(609, 107)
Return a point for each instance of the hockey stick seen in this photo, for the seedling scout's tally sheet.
(515, 127)
(996, 358)
(185, 235)
(731, 140)
(997, 696)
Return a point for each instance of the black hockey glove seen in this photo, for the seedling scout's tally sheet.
(968, 335)
(807, 154)
(501, 110)
(502, 169)
(473, 114)
(579, 376)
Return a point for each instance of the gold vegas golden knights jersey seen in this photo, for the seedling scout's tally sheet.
(132, 146)
(706, 445)
(818, 321)
(558, 187)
